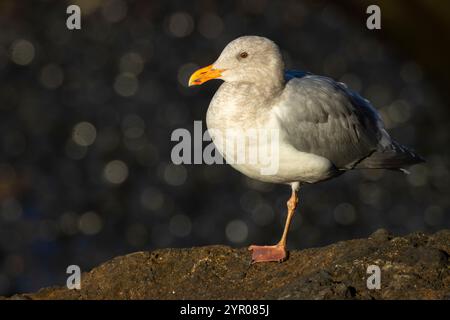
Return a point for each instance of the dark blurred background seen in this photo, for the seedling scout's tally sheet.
(86, 119)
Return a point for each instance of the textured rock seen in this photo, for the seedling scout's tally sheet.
(412, 267)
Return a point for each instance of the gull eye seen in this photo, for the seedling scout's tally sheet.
(243, 54)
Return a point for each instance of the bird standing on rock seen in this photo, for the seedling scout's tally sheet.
(324, 129)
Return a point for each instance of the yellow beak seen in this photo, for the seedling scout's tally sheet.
(204, 74)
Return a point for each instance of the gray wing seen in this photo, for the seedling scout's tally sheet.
(322, 117)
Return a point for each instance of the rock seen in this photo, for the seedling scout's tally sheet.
(412, 267)
(381, 235)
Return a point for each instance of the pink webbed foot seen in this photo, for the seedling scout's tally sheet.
(276, 253)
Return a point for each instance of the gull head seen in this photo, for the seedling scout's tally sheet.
(246, 59)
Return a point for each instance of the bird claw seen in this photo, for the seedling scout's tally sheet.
(275, 253)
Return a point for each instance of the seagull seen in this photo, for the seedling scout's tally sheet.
(324, 128)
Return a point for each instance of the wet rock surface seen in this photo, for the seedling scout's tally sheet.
(415, 266)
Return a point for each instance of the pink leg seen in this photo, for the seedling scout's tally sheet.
(277, 252)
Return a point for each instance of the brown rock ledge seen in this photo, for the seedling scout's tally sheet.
(415, 266)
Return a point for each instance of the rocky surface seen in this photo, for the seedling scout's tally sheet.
(412, 267)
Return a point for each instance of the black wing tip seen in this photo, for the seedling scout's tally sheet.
(395, 159)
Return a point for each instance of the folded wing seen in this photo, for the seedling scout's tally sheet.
(323, 117)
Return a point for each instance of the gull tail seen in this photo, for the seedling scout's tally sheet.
(394, 157)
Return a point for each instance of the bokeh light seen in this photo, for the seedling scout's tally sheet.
(126, 84)
(116, 172)
(181, 24)
(236, 231)
(90, 223)
(52, 76)
(84, 134)
(22, 52)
